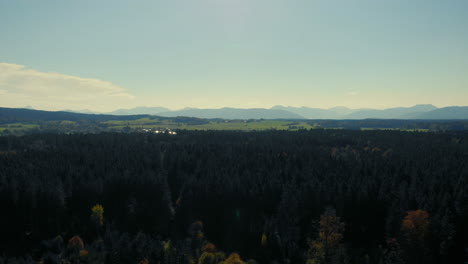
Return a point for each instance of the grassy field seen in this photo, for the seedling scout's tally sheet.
(245, 125)
(17, 127)
(186, 123)
(67, 126)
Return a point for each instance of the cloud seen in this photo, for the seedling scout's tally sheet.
(20, 86)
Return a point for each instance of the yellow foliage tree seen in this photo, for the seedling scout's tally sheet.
(169, 252)
(98, 214)
(207, 258)
(264, 240)
(330, 229)
(210, 255)
(234, 258)
(84, 253)
(329, 238)
(167, 245)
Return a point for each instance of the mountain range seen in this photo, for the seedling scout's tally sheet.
(142, 110)
(233, 113)
(421, 111)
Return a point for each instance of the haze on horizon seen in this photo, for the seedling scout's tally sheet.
(107, 55)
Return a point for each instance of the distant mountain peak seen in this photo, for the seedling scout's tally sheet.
(189, 108)
(339, 108)
(140, 110)
(425, 106)
(278, 107)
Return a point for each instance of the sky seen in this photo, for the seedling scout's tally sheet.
(106, 55)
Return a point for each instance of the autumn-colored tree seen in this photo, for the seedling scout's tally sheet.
(84, 253)
(209, 247)
(167, 245)
(316, 253)
(415, 226)
(329, 238)
(211, 258)
(330, 229)
(169, 252)
(98, 214)
(207, 258)
(210, 255)
(76, 243)
(234, 258)
(197, 238)
(75, 250)
(264, 240)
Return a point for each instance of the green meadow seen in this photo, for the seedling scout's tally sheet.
(217, 124)
(17, 127)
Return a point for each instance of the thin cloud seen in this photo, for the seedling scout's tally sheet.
(20, 86)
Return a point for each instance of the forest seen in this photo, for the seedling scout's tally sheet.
(317, 196)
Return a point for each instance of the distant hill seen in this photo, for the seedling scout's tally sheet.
(18, 115)
(347, 113)
(452, 112)
(392, 113)
(140, 111)
(233, 113)
(309, 113)
(341, 110)
(82, 111)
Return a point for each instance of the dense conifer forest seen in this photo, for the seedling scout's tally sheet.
(308, 196)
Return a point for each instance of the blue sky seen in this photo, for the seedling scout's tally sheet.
(104, 55)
